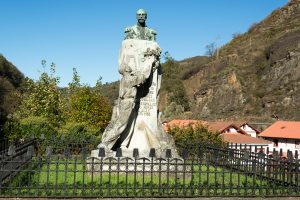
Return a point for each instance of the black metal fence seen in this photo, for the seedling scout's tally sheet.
(4, 143)
(68, 171)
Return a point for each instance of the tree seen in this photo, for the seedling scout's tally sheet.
(75, 81)
(191, 137)
(88, 106)
(172, 111)
(172, 83)
(42, 98)
(211, 49)
(41, 108)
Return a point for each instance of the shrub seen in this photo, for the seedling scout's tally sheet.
(191, 137)
(28, 127)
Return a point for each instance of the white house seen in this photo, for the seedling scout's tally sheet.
(284, 135)
(248, 128)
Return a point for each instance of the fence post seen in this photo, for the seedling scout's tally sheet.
(118, 155)
(101, 154)
(297, 174)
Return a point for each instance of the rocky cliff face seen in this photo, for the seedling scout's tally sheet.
(257, 75)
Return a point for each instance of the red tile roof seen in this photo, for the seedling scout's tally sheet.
(220, 126)
(223, 126)
(283, 129)
(243, 139)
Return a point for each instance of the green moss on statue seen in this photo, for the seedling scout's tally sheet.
(140, 31)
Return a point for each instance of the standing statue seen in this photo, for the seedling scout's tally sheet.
(135, 120)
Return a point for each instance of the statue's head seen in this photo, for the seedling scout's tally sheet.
(141, 15)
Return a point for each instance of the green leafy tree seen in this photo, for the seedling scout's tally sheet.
(88, 106)
(41, 108)
(172, 83)
(75, 81)
(42, 98)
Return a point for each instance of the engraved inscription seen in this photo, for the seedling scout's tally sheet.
(148, 103)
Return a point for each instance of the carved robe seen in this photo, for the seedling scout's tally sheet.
(135, 122)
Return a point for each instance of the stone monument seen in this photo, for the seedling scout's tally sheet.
(135, 122)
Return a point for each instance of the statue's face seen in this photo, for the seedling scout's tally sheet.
(141, 16)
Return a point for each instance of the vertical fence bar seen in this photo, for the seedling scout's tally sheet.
(297, 173)
(126, 176)
(101, 176)
(92, 174)
(246, 171)
(56, 174)
(66, 161)
(168, 157)
(254, 164)
(2, 171)
(134, 178)
(151, 175)
(199, 165)
(223, 157)
(39, 175)
(10, 162)
(75, 171)
(151, 155)
(118, 155)
(101, 155)
(215, 160)
(231, 156)
(239, 171)
(207, 169)
(176, 177)
(275, 170)
(83, 163)
(191, 173)
(48, 162)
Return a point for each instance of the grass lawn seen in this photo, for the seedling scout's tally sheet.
(71, 178)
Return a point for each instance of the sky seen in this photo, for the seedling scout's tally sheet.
(87, 34)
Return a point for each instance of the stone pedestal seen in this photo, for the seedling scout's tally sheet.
(137, 165)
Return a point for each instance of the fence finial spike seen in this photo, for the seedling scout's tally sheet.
(168, 153)
(11, 150)
(48, 151)
(101, 152)
(152, 153)
(30, 151)
(119, 152)
(135, 153)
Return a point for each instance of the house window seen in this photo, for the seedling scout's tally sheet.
(297, 144)
(275, 142)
